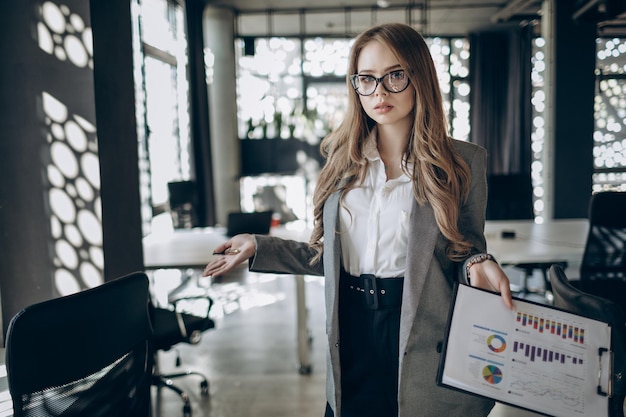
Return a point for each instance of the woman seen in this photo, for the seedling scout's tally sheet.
(399, 212)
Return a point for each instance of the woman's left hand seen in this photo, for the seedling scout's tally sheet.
(489, 276)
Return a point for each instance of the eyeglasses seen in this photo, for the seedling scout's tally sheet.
(395, 82)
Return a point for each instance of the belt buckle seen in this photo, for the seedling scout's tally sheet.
(371, 291)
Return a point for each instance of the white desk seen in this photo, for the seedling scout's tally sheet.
(193, 248)
(556, 239)
(540, 244)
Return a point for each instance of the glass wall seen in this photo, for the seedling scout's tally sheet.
(609, 151)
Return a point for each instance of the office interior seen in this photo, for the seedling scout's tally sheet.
(77, 196)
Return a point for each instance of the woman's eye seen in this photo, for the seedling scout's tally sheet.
(397, 75)
(366, 79)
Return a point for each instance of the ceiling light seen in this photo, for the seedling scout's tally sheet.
(383, 4)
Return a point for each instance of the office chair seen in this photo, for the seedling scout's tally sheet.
(509, 197)
(86, 354)
(172, 327)
(605, 249)
(183, 204)
(603, 266)
(256, 222)
(570, 298)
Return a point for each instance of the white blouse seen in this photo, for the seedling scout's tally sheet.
(374, 221)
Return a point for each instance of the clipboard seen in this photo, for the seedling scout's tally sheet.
(536, 357)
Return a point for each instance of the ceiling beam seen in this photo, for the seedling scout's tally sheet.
(511, 9)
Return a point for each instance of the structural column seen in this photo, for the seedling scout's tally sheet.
(570, 111)
(221, 79)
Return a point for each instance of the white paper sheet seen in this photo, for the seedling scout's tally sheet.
(535, 357)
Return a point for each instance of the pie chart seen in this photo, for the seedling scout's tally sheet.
(492, 374)
(496, 343)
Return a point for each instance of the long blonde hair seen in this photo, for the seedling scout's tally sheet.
(440, 176)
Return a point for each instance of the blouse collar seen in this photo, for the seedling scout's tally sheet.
(370, 151)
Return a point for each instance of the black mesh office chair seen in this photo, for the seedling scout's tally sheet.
(603, 266)
(570, 298)
(605, 248)
(85, 354)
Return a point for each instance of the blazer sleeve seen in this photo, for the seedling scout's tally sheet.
(472, 215)
(282, 256)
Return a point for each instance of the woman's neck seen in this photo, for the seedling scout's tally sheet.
(392, 143)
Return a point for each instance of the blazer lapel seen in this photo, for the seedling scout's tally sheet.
(332, 264)
(423, 235)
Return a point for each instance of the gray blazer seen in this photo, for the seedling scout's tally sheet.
(428, 283)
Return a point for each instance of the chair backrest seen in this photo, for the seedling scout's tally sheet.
(605, 249)
(509, 197)
(570, 298)
(257, 222)
(86, 354)
(183, 201)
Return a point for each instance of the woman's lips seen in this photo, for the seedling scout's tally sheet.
(383, 108)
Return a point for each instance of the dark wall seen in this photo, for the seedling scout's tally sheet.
(25, 261)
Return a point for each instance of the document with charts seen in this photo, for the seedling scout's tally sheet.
(535, 357)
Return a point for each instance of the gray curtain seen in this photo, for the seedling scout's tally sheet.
(500, 65)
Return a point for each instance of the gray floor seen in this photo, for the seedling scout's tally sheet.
(251, 358)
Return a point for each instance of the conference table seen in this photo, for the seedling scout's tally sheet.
(529, 247)
(193, 248)
(511, 242)
(521, 241)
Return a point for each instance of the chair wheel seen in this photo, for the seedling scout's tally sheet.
(305, 369)
(204, 388)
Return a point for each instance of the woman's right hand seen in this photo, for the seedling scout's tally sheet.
(230, 254)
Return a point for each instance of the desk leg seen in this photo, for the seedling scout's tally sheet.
(304, 353)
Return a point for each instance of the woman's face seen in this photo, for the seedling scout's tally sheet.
(384, 107)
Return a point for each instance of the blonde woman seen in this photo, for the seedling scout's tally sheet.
(399, 217)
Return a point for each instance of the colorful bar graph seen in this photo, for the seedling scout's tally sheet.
(547, 326)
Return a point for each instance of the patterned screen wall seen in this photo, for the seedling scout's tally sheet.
(610, 115)
(72, 172)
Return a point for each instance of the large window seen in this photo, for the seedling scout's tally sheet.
(162, 100)
(289, 87)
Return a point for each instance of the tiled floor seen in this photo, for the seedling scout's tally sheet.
(251, 358)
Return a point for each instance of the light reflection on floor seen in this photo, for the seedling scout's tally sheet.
(239, 290)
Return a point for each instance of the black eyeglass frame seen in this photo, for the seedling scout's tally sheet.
(380, 80)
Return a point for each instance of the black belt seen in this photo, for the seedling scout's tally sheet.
(373, 293)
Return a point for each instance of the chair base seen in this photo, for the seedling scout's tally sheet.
(528, 268)
(166, 381)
